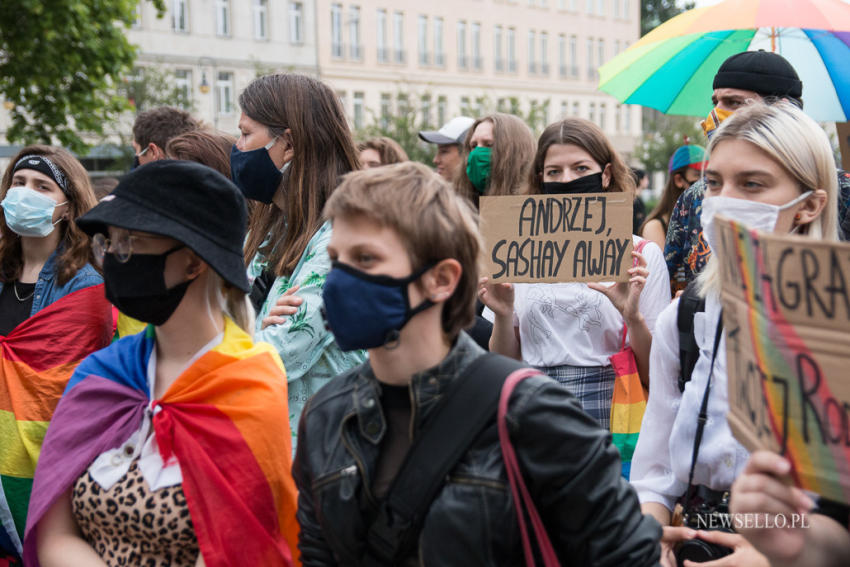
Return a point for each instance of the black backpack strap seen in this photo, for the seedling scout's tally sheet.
(689, 304)
(468, 404)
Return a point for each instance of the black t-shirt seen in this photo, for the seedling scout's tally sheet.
(13, 311)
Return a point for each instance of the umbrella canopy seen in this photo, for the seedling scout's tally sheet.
(672, 67)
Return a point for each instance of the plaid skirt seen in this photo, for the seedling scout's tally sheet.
(592, 385)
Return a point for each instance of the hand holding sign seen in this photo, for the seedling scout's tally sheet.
(499, 297)
(625, 296)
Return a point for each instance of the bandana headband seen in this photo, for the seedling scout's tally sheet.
(43, 165)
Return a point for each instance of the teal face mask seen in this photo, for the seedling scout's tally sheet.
(28, 212)
(478, 168)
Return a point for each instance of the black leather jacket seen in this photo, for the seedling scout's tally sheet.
(571, 468)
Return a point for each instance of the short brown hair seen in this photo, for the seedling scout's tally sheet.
(74, 244)
(208, 147)
(433, 222)
(513, 148)
(589, 137)
(160, 124)
(388, 149)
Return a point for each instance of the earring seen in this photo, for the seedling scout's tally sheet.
(797, 217)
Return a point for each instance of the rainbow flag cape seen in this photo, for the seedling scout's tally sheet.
(224, 418)
(38, 358)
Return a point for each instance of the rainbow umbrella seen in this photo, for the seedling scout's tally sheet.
(672, 67)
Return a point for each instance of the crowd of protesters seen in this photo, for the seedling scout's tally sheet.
(272, 349)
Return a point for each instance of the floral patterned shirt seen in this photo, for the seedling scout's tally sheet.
(307, 348)
(686, 251)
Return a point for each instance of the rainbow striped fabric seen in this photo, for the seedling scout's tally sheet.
(224, 418)
(38, 358)
(627, 406)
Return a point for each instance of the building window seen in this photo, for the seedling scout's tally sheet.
(442, 110)
(618, 110)
(512, 50)
(386, 109)
(532, 61)
(479, 106)
(477, 61)
(601, 45)
(336, 30)
(137, 21)
(544, 53)
(591, 112)
(343, 100)
(222, 17)
(562, 56)
(180, 15)
(461, 45)
(422, 31)
(616, 9)
(183, 85)
(497, 49)
(573, 56)
(398, 36)
(439, 53)
(626, 13)
(465, 108)
(602, 116)
(576, 109)
(354, 32)
(591, 4)
(383, 55)
(358, 111)
(600, 7)
(591, 68)
(502, 104)
(573, 5)
(403, 108)
(564, 109)
(224, 93)
(627, 119)
(616, 47)
(425, 110)
(296, 22)
(544, 112)
(261, 18)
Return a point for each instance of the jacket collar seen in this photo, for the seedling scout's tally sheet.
(427, 387)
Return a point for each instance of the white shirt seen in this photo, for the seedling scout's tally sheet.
(111, 466)
(571, 324)
(662, 459)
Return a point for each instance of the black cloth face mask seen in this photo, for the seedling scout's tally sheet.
(588, 184)
(137, 286)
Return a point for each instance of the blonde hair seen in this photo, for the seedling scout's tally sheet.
(234, 302)
(513, 150)
(432, 221)
(800, 147)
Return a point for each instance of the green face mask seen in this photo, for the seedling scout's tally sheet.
(478, 167)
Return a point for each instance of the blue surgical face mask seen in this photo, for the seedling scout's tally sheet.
(366, 311)
(255, 173)
(28, 212)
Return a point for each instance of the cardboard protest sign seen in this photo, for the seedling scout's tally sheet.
(786, 313)
(557, 238)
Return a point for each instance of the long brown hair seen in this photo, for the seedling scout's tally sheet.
(668, 199)
(388, 149)
(513, 148)
(74, 244)
(323, 151)
(590, 138)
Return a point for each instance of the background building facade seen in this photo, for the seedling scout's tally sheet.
(450, 57)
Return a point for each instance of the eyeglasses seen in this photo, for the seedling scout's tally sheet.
(121, 246)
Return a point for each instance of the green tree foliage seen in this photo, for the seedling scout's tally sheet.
(662, 134)
(149, 87)
(60, 63)
(655, 12)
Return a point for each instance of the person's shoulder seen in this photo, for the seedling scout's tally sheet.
(85, 277)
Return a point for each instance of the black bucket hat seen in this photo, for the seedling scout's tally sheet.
(186, 201)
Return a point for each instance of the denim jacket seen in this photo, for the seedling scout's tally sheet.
(47, 290)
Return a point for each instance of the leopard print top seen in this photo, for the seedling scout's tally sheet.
(130, 525)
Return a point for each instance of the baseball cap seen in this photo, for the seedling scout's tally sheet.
(452, 131)
(692, 156)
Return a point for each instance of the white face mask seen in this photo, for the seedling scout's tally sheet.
(758, 216)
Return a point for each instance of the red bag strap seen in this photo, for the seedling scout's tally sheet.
(639, 248)
(522, 499)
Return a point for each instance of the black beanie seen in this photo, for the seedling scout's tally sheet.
(762, 72)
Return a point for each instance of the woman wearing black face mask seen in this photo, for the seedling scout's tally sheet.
(161, 416)
(294, 124)
(569, 330)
